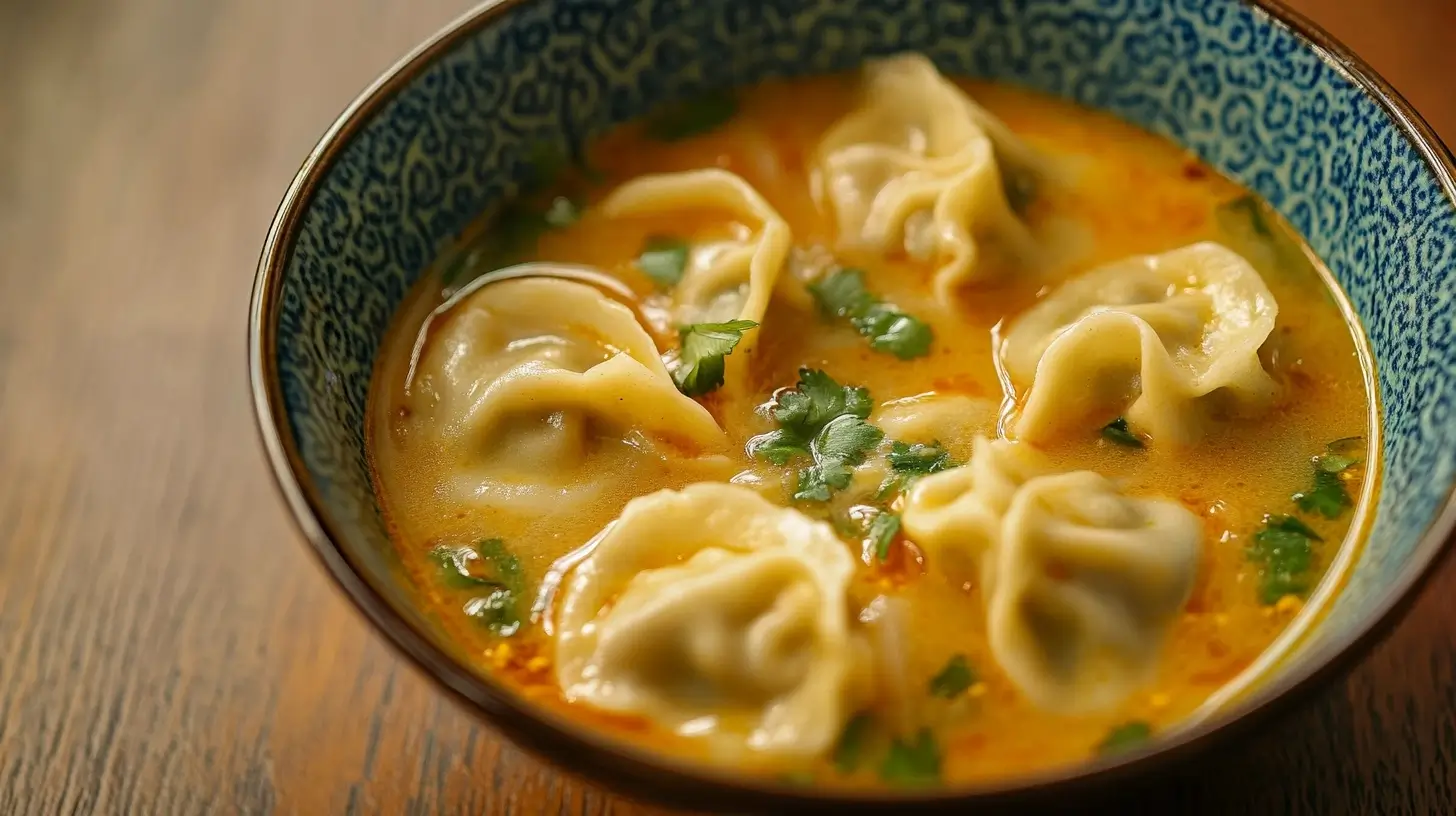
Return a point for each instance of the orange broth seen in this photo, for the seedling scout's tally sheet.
(1122, 192)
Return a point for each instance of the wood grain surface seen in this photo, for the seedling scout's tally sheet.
(166, 644)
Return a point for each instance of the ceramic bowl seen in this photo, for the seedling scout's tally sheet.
(1254, 90)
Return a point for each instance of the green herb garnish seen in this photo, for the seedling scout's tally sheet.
(485, 565)
(816, 400)
(850, 749)
(1285, 549)
(1118, 433)
(700, 360)
(1328, 495)
(1125, 737)
(823, 420)
(910, 462)
(664, 260)
(882, 532)
(954, 679)
(692, 117)
(837, 449)
(842, 294)
(913, 763)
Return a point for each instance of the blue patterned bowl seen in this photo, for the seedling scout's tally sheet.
(1255, 90)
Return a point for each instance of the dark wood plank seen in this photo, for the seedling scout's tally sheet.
(165, 644)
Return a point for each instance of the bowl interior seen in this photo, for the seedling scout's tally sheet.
(415, 161)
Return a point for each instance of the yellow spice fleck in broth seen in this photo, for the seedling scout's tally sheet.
(1117, 192)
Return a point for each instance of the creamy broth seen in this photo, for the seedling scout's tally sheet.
(1115, 191)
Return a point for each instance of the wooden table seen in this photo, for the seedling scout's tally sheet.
(166, 644)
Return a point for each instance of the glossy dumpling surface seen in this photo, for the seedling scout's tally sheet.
(1080, 581)
(918, 168)
(1162, 339)
(523, 379)
(724, 280)
(717, 614)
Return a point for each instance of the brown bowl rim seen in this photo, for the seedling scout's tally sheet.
(649, 775)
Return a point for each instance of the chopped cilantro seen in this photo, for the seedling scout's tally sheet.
(910, 462)
(1328, 495)
(692, 117)
(842, 294)
(1125, 737)
(895, 332)
(1284, 548)
(466, 567)
(664, 260)
(842, 444)
(816, 400)
(919, 459)
(704, 345)
(882, 534)
(1118, 433)
(850, 749)
(778, 446)
(913, 763)
(953, 679)
(822, 419)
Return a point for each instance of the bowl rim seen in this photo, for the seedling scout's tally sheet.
(555, 739)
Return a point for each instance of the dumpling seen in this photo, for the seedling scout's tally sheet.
(1080, 582)
(720, 615)
(920, 167)
(724, 280)
(1162, 339)
(523, 379)
(949, 419)
(955, 516)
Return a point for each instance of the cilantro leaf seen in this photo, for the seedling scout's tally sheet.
(1285, 549)
(919, 459)
(816, 400)
(909, 463)
(1327, 497)
(850, 748)
(894, 332)
(882, 533)
(692, 117)
(846, 438)
(913, 763)
(465, 567)
(1118, 433)
(842, 294)
(778, 446)
(664, 260)
(954, 679)
(704, 345)
(1125, 737)
(842, 444)
(818, 482)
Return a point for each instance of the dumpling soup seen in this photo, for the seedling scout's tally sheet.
(940, 431)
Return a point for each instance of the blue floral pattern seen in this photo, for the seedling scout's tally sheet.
(1239, 89)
